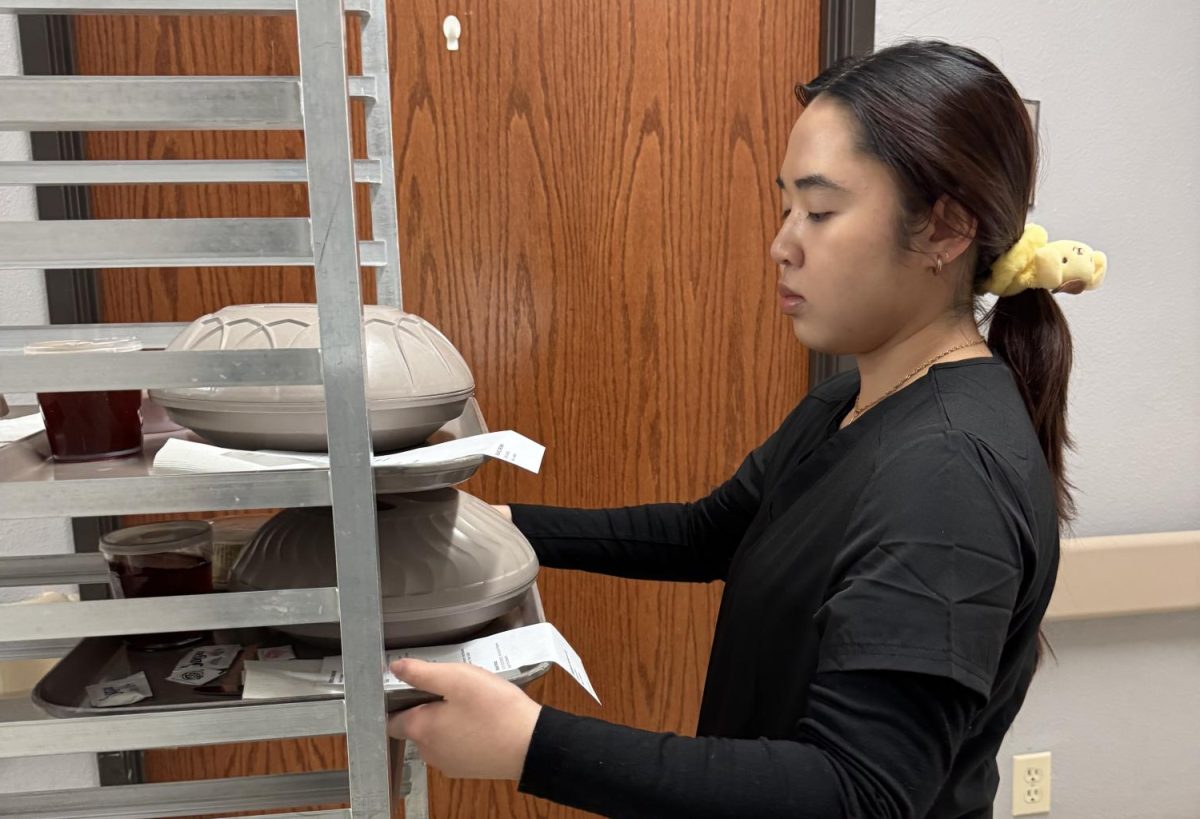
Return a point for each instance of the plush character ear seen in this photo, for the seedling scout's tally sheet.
(1100, 263)
(1073, 287)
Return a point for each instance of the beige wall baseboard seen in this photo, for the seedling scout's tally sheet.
(1127, 574)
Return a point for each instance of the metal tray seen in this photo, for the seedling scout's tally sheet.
(28, 460)
(63, 691)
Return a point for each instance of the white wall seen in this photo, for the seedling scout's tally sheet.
(1119, 84)
(23, 301)
(1120, 700)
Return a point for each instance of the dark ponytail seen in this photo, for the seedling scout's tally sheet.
(1029, 331)
(947, 122)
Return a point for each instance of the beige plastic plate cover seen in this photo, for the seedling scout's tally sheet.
(449, 564)
(416, 380)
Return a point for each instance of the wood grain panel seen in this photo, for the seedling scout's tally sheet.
(138, 45)
(248, 759)
(592, 232)
(586, 206)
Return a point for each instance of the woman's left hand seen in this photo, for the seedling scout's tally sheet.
(481, 729)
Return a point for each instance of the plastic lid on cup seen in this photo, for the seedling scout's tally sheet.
(96, 345)
(237, 528)
(170, 536)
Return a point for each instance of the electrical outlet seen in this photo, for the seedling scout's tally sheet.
(1031, 784)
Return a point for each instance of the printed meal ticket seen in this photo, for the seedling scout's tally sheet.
(512, 447)
(499, 653)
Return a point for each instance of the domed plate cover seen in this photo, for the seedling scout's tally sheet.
(449, 563)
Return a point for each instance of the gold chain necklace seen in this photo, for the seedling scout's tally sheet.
(860, 410)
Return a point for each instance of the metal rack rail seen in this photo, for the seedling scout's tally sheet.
(316, 102)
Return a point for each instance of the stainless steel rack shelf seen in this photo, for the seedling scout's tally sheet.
(131, 243)
(155, 495)
(67, 372)
(145, 615)
(183, 798)
(53, 570)
(318, 103)
(158, 103)
(177, 171)
(153, 336)
(32, 485)
(26, 731)
(168, 6)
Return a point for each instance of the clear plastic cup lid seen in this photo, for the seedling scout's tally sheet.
(237, 528)
(96, 345)
(171, 536)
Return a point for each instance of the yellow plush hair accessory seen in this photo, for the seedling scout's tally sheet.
(1035, 262)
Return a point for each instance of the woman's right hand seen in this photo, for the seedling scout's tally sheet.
(505, 511)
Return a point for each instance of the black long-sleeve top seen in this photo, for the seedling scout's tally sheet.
(878, 629)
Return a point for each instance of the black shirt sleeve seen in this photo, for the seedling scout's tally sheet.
(875, 744)
(662, 541)
(932, 566)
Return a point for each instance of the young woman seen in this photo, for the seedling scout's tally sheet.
(890, 551)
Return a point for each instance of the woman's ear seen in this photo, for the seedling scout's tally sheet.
(950, 230)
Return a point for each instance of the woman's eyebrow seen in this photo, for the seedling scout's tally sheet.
(813, 180)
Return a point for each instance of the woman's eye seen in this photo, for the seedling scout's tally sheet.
(812, 217)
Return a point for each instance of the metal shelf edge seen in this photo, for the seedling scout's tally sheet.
(145, 615)
(53, 570)
(157, 103)
(37, 650)
(132, 103)
(163, 799)
(26, 731)
(154, 335)
(140, 243)
(97, 497)
(148, 369)
(164, 6)
(181, 172)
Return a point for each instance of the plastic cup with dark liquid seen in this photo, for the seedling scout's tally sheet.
(96, 425)
(161, 560)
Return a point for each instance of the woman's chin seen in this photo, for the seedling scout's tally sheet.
(817, 341)
(808, 335)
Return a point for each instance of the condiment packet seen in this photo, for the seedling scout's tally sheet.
(277, 653)
(210, 656)
(125, 691)
(195, 675)
(274, 679)
(204, 664)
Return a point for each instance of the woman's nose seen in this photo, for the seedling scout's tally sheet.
(784, 250)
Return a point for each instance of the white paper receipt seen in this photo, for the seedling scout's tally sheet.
(271, 679)
(498, 653)
(204, 664)
(16, 429)
(125, 691)
(178, 455)
(509, 446)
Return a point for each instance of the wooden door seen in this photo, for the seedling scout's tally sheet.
(586, 203)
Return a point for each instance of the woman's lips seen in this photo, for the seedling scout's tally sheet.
(789, 300)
